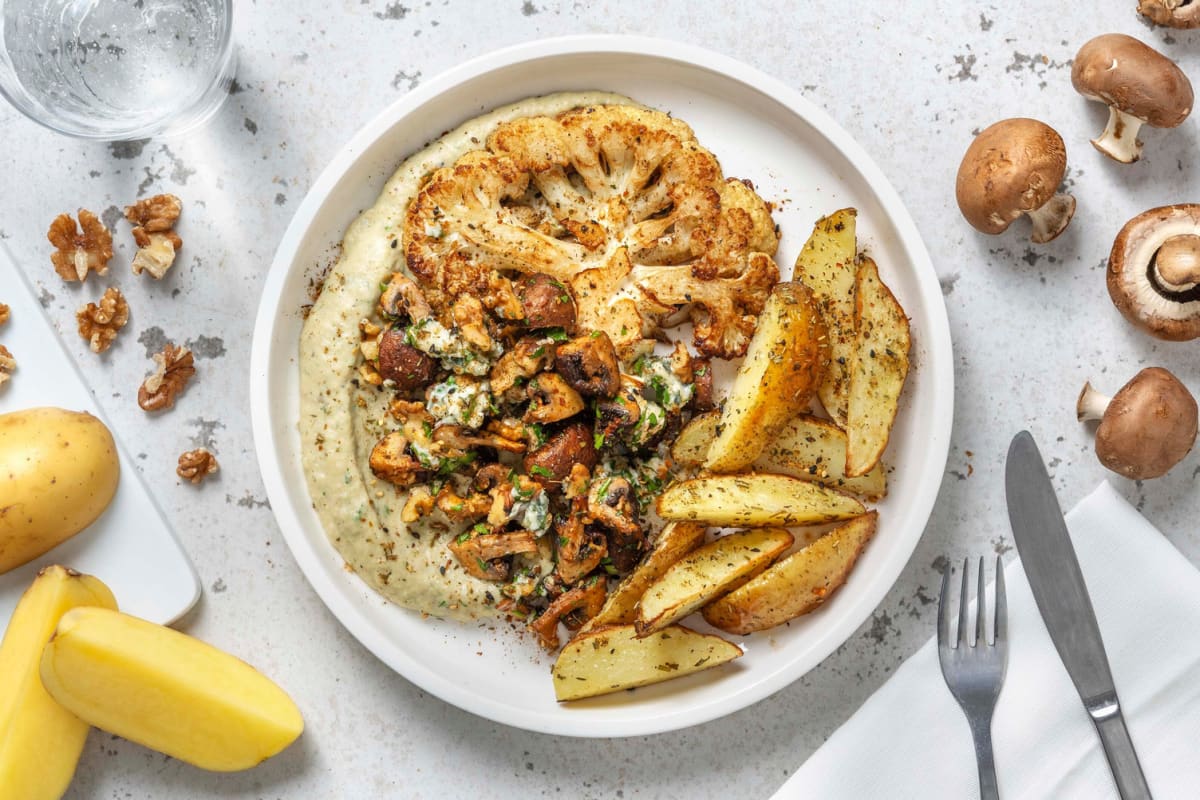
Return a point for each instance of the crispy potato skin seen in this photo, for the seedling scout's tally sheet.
(785, 363)
(878, 370)
(796, 584)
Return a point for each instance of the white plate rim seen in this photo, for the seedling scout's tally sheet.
(938, 347)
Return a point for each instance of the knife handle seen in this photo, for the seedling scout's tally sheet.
(1118, 749)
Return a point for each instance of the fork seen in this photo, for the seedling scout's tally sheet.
(974, 671)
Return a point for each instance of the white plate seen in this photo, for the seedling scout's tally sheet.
(131, 547)
(759, 129)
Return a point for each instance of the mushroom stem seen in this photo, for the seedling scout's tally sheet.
(1119, 140)
(1177, 262)
(1051, 219)
(1091, 404)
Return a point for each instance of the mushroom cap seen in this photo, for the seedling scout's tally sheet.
(1172, 13)
(1134, 283)
(1149, 426)
(1012, 167)
(1134, 78)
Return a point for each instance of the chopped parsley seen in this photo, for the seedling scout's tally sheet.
(452, 464)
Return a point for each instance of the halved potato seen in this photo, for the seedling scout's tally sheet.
(676, 540)
(795, 585)
(707, 572)
(877, 370)
(806, 447)
(755, 500)
(784, 365)
(612, 659)
(826, 266)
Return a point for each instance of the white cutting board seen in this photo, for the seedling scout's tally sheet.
(130, 547)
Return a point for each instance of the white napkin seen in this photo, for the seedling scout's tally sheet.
(910, 739)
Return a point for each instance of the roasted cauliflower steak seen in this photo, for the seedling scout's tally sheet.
(621, 204)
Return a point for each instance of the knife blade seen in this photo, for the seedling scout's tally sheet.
(1062, 598)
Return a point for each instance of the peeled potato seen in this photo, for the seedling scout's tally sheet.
(58, 472)
(167, 691)
(40, 741)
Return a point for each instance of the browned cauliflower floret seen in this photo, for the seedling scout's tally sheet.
(724, 310)
(603, 200)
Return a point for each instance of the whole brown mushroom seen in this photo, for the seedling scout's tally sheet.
(1014, 167)
(1146, 428)
(1154, 271)
(1172, 13)
(1138, 84)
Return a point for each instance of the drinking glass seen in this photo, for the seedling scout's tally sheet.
(116, 69)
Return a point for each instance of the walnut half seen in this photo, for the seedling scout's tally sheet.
(196, 465)
(153, 220)
(7, 364)
(81, 249)
(4, 313)
(176, 366)
(99, 324)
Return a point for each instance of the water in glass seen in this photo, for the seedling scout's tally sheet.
(116, 68)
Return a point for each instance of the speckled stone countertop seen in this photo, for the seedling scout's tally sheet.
(910, 81)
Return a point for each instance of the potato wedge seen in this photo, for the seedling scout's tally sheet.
(796, 584)
(806, 447)
(755, 500)
(814, 449)
(877, 370)
(707, 572)
(826, 266)
(40, 741)
(165, 690)
(612, 659)
(676, 540)
(784, 365)
(691, 445)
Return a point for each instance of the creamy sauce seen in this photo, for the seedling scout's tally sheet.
(339, 423)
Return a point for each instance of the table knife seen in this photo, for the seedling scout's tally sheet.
(1062, 598)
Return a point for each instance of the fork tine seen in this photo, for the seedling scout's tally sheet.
(981, 609)
(963, 637)
(1000, 623)
(943, 622)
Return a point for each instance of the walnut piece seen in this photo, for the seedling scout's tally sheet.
(99, 324)
(153, 220)
(155, 214)
(196, 465)
(7, 364)
(176, 366)
(79, 251)
(4, 313)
